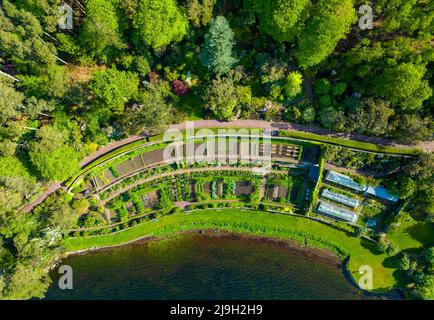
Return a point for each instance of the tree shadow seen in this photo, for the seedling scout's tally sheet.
(422, 232)
(370, 246)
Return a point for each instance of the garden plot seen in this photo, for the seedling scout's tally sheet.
(207, 187)
(120, 211)
(210, 188)
(277, 192)
(243, 188)
(373, 213)
(150, 199)
(129, 166)
(284, 151)
(101, 179)
(130, 207)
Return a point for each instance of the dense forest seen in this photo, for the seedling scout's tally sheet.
(134, 66)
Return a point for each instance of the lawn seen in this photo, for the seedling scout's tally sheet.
(412, 234)
(302, 230)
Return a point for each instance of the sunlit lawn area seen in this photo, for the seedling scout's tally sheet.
(304, 231)
(413, 234)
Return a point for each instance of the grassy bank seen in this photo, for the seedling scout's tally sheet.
(302, 230)
(359, 145)
(413, 235)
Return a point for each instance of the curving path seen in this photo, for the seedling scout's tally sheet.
(171, 173)
(427, 146)
(261, 124)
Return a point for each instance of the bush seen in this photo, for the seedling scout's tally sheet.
(179, 88)
(339, 88)
(322, 86)
(359, 231)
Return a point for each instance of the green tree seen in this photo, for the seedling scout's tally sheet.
(425, 286)
(49, 84)
(406, 188)
(8, 147)
(52, 157)
(101, 23)
(403, 85)
(331, 118)
(27, 282)
(404, 262)
(412, 127)
(339, 88)
(281, 19)
(14, 190)
(43, 10)
(372, 116)
(216, 52)
(151, 114)
(80, 206)
(409, 15)
(421, 171)
(322, 86)
(157, 23)
(10, 101)
(330, 23)
(293, 84)
(34, 107)
(308, 114)
(225, 99)
(429, 257)
(142, 65)
(22, 38)
(200, 11)
(113, 88)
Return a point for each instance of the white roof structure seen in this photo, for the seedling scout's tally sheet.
(337, 213)
(344, 180)
(340, 198)
(382, 193)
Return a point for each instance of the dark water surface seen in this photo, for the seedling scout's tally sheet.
(206, 266)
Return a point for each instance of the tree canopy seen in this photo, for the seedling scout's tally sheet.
(281, 19)
(216, 52)
(102, 23)
(403, 85)
(157, 23)
(330, 23)
(52, 157)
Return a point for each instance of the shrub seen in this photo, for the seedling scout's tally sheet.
(179, 88)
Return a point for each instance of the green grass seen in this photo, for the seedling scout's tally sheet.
(366, 146)
(302, 230)
(412, 234)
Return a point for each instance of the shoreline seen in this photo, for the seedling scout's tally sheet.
(289, 243)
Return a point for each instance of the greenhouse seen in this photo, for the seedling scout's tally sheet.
(382, 193)
(338, 213)
(340, 198)
(344, 180)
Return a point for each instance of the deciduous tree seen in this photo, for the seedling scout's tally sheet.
(157, 23)
(281, 19)
(330, 23)
(101, 32)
